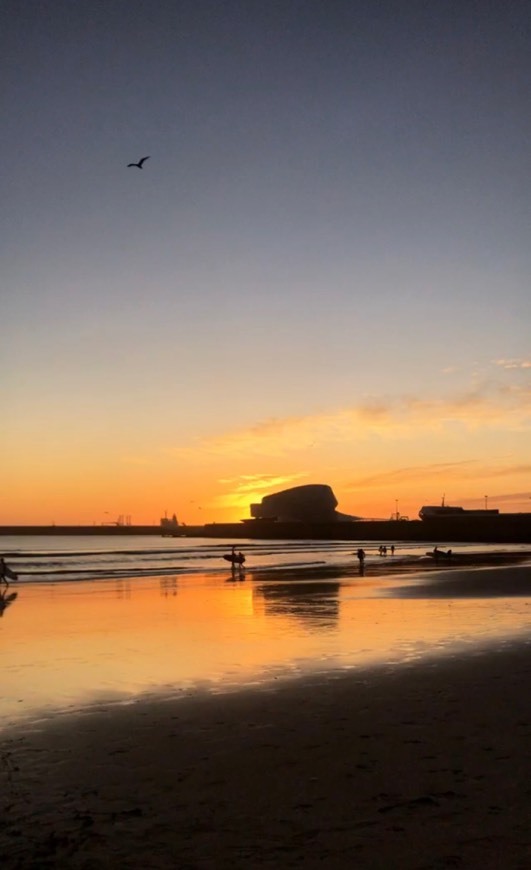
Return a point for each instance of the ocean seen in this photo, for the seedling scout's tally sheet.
(54, 559)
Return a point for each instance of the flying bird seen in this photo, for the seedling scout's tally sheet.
(139, 164)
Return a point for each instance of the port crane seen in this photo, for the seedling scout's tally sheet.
(120, 521)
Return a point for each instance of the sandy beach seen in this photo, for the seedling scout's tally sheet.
(420, 760)
(424, 766)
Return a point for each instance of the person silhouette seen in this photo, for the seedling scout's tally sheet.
(6, 574)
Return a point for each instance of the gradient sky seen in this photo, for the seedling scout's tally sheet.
(320, 276)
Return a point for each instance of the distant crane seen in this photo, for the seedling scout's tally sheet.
(121, 521)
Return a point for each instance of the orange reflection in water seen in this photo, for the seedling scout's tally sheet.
(73, 644)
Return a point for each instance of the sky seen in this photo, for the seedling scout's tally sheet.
(321, 274)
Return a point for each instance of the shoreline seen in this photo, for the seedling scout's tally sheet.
(375, 566)
(417, 766)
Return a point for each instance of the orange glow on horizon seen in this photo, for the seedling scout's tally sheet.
(377, 457)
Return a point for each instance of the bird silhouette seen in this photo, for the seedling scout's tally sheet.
(139, 164)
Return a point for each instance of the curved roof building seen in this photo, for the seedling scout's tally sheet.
(312, 503)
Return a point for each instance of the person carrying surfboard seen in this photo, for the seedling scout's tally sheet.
(234, 557)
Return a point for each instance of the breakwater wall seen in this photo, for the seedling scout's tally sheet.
(501, 529)
(108, 531)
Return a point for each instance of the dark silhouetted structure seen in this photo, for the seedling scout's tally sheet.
(312, 503)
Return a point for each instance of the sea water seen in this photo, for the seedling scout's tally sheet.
(101, 557)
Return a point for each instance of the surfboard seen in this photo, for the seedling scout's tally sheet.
(236, 560)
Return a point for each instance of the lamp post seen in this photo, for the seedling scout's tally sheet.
(486, 502)
(396, 509)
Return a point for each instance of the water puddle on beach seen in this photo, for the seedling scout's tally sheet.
(68, 646)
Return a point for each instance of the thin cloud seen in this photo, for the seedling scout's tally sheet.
(490, 405)
(510, 469)
(411, 474)
(256, 482)
(514, 497)
(513, 363)
(468, 469)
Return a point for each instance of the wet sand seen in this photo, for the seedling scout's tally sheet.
(416, 766)
(399, 565)
(424, 766)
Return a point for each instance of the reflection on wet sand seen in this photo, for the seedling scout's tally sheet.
(237, 574)
(6, 599)
(313, 603)
(168, 586)
(72, 643)
(399, 566)
(123, 588)
(500, 583)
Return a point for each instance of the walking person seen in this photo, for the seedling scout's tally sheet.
(361, 558)
(236, 559)
(6, 574)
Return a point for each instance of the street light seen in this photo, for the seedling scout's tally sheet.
(396, 509)
(486, 502)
